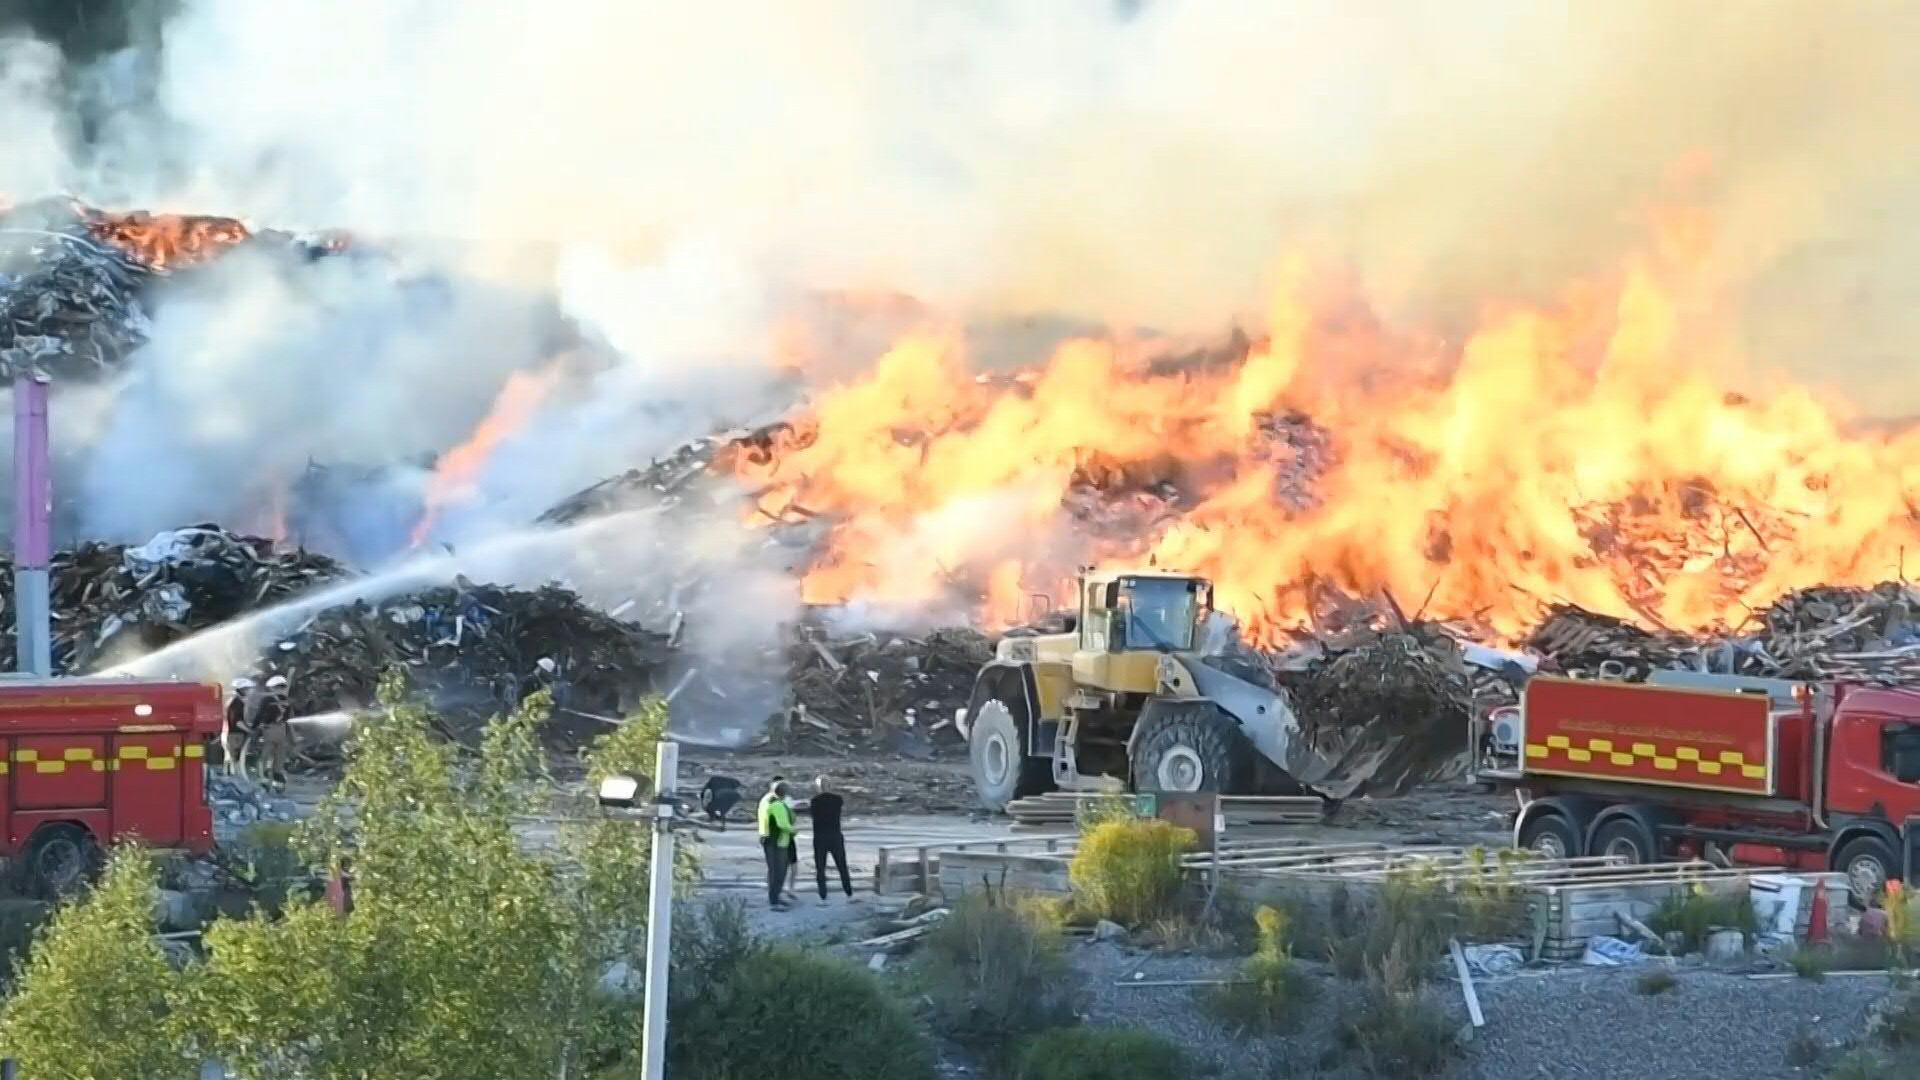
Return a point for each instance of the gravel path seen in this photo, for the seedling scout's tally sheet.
(1591, 1024)
(1585, 1023)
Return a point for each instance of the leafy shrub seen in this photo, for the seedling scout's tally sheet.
(790, 1011)
(994, 968)
(1399, 1030)
(1274, 989)
(1811, 962)
(1697, 912)
(1083, 1053)
(20, 923)
(1412, 917)
(1129, 871)
(1090, 814)
(95, 998)
(1655, 982)
(1805, 1049)
(1903, 921)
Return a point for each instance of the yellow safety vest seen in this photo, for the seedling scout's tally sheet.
(776, 819)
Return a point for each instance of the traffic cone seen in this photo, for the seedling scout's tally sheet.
(1817, 917)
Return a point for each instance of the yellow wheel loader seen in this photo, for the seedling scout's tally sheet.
(1131, 697)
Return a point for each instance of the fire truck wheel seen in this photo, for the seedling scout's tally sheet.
(1551, 835)
(1868, 862)
(1002, 769)
(61, 859)
(1626, 838)
(1191, 748)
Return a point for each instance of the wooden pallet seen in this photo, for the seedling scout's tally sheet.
(906, 869)
(1063, 808)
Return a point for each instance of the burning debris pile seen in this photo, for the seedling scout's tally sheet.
(475, 651)
(893, 689)
(113, 601)
(68, 302)
(74, 279)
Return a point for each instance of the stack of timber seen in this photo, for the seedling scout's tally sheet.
(1059, 809)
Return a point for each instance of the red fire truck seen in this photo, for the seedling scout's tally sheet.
(1727, 768)
(86, 762)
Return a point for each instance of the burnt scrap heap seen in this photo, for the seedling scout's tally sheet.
(475, 652)
(116, 601)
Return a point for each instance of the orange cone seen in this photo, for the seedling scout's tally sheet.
(1817, 917)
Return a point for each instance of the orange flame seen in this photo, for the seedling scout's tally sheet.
(1579, 451)
(166, 241)
(452, 482)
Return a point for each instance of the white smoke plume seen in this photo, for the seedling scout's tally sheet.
(693, 169)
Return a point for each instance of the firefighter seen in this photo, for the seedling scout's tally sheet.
(276, 735)
(242, 710)
(776, 840)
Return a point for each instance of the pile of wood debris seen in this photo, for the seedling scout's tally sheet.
(895, 689)
(114, 601)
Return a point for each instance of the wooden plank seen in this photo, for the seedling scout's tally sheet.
(1466, 982)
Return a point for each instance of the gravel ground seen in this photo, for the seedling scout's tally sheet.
(1591, 1024)
(1585, 1023)
(1182, 1015)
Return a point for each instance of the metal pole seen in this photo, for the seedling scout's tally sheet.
(666, 778)
(32, 527)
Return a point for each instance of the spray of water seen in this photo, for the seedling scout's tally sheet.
(712, 572)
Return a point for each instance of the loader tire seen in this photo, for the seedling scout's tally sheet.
(1192, 748)
(997, 749)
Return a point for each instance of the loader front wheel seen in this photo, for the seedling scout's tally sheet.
(1002, 769)
(1193, 748)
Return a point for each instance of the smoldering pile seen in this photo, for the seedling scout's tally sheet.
(474, 652)
(76, 283)
(115, 601)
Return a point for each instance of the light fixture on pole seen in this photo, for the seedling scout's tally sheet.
(623, 793)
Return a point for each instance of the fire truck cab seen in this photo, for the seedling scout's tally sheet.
(88, 762)
(1733, 769)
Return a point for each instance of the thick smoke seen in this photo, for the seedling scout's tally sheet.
(686, 174)
(1142, 163)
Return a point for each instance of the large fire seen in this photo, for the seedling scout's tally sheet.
(457, 471)
(1585, 451)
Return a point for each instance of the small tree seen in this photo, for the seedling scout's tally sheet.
(95, 999)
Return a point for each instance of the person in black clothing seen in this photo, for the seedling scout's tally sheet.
(825, 808)
(718, 796)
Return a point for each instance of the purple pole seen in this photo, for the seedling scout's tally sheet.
(32, 527)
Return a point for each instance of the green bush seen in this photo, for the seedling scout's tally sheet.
(1699, 911)
(994, 970)
(1273, 990)
(1655, 982)
(94, 1000)
(791, 1012)
(1129, 871)
(1082, 1053)
(20, 923)
(1411, 917)
(1399, 1030)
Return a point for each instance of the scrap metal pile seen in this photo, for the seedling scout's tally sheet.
(116, 601)
(475, 651)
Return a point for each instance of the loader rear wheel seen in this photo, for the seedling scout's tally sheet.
(997, 749)
(60, 860)
(1192, 748)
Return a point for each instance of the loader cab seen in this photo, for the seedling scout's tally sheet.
(1142, 612)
